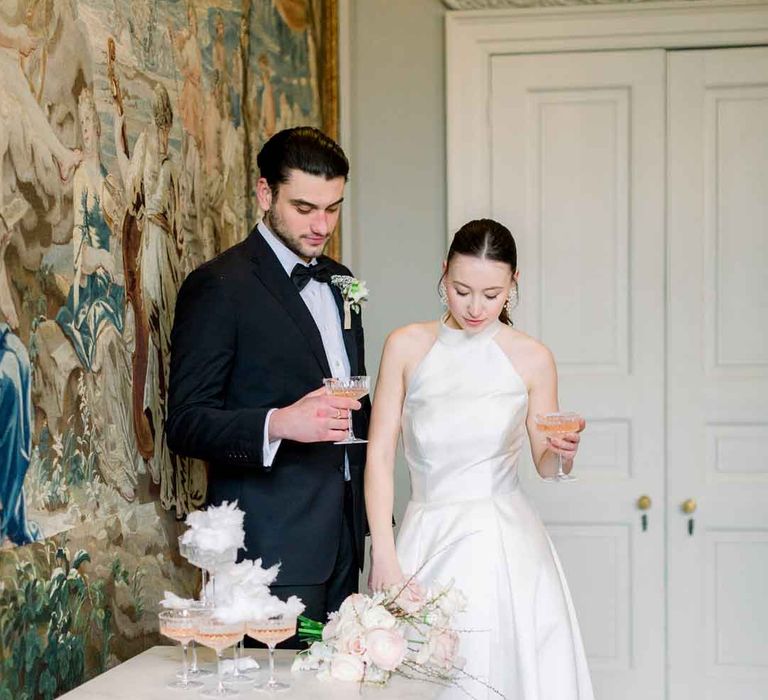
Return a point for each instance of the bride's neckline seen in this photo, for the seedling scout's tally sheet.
(455, 336)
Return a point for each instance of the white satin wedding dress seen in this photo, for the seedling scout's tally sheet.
(463, 429)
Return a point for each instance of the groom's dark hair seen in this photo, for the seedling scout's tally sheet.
(301, 148)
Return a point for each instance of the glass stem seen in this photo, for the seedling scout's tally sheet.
(271, 665)
(203, 594)
(220, 688)
(236, 660)
(184, 666)
(560, 472)
(351, 431)
(194, 667)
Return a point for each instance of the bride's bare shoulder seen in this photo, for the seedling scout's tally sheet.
(524, 350)
(413, 338)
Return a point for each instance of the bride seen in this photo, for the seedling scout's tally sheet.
(464, 391)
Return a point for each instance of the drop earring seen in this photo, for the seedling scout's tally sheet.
(443, 294)
(512, 301)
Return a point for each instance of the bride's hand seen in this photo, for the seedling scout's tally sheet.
(568, 444)
(385, 572)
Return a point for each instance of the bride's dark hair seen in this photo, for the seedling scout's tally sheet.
(488, 239)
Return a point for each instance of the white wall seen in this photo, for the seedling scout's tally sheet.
(396, 143)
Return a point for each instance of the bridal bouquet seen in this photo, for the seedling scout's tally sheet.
(404, 629)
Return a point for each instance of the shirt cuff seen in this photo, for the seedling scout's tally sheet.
(270, 448)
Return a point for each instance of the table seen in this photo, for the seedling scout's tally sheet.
(145, 676)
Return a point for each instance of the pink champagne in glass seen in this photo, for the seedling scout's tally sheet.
(554, 424)
(179, 625)
(350, 388)
(218, 635)
(271, 632)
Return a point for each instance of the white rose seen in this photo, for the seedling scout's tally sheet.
(452, 601)
(305, 662)
(314, 658)
(378, 616)
(386, 648)
(346, 667)
(354, 606)
(373, 674)
(331, 629)
(435, 617)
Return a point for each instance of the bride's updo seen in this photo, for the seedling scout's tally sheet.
(488, 239)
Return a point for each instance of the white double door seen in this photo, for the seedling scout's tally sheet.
(636, 183)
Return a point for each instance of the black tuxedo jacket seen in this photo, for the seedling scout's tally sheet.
(244, 342)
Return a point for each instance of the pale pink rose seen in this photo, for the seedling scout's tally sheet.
(349, 637)
(386, 647)
(347, 633)
(443, 647)
(412, 597)
(346, 667)
(348, 629)
(356, 645)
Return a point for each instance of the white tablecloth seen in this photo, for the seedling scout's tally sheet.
(145, 677)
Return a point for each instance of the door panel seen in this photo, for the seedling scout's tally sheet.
(718, 360)
(577, 157)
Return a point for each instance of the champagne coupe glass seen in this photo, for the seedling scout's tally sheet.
(218, 635)
(271, 632)
(180, 626)
(208, 562)
(195, 671)
(351, 388)
(190, 553)
(559, 424)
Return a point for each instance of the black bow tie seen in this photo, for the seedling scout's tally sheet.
(301, 274)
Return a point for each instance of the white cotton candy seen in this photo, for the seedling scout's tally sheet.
(248, 574)
(262, 576)
(272, 606)
(264, 607)
(174, 602)
(241, 592)
(244, 579)
(216, 529)
(236, 609)
(243, 664)
(240, 605)
(293, 606)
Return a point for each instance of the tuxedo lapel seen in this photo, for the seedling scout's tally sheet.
(268, 268)
(347, 333)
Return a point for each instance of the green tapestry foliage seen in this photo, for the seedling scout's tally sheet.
(49, 624)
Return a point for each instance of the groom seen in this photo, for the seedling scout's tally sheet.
(256, 331)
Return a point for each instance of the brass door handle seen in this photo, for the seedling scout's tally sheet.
(644, 502)
(688, 506)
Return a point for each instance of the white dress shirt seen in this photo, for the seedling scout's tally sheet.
(319, 300)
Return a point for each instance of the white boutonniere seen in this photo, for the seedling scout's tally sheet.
(353, 292)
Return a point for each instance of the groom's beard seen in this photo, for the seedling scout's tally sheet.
(275, 224)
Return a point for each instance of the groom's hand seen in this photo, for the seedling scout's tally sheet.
(316, 417)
